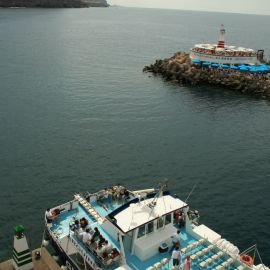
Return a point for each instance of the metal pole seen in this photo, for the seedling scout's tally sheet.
(122, 251)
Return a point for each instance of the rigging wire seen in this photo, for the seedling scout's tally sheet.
(193, 188)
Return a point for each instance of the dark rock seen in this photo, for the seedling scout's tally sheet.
(54, 3)
(179, 69)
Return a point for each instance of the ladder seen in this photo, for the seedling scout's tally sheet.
(89, 208)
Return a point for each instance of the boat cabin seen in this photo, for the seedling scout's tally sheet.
(146, 223)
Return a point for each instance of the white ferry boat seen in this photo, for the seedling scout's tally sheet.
(223, 54)
(119, 229)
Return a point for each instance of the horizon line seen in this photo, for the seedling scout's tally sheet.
(195, 10)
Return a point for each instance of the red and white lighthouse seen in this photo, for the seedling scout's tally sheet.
(221, 42)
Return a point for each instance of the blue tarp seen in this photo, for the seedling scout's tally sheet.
(196, 61)
(262, 68)
(259, 68)
(215, 65)
(206, 63)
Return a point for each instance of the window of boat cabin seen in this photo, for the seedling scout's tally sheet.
(168, 219)
(141, 231)
(150, 227)
(145, 229)
(160, 222)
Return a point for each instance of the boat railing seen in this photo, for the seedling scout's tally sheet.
(226, 53)
(106, 261)
(58, 210)
(110, 195)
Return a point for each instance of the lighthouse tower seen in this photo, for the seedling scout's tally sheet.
(221, 42)
(22, 257)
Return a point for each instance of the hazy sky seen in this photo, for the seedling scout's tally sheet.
(238, 6)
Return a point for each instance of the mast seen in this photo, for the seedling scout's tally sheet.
(221, 42)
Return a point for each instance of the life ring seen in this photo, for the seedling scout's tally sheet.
(246, 259)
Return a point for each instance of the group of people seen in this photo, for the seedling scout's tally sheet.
(179, 219)
(177, 255)
(177, 260)
(234, 53)
(93, 239)
(116, 193)
(96, 242)
(119, 193)
(77, 224)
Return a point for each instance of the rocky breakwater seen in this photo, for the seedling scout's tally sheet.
(180, 69)
(54, 3)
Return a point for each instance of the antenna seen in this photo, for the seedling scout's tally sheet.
(190, 192)
(161, 187)
(159, 194)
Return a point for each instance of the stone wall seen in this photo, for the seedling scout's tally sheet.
(179, 69)
(54, 3)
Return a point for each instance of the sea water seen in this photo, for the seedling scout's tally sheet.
(77, 114)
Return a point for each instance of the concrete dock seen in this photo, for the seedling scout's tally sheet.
(46, 262)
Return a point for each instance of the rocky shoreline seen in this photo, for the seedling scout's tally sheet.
(53, 3)
(181, 70)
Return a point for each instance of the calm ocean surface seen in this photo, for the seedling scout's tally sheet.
(77, 114)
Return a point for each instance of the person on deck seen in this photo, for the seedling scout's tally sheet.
(50, 215)
(86, 236)
(176, 256)
(108, 247)
(93, 245)
(83, 222)
(187, 263)
(101, 240)
(175, 240)
(96, 233)
(104, 198)
(75, 225)
(100, 250)
(178, 218)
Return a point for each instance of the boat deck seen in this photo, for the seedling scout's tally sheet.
(204, 254)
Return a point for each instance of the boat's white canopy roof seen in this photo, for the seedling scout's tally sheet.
(137, 214)
(227, 48)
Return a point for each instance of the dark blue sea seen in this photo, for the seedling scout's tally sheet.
(77, 114)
